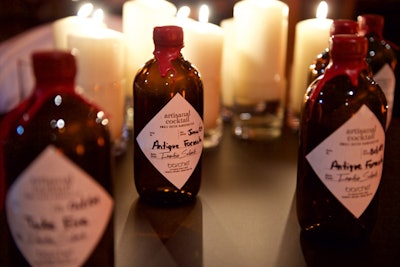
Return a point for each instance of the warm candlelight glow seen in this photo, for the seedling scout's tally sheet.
(322, 10)
(85, 10)
(311, 38)
(183, 12)
(203, 48)
(204, 13)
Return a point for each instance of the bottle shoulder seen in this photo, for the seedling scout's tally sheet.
(339, 97)
(183, 78)
(181, 68)
(343, 85)
(61, 114)
(380, 52)
(78, 130)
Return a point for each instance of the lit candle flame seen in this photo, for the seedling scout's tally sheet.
(204, 13)
(85, 10)
(98, 15)
(183, 12)
(322, 10)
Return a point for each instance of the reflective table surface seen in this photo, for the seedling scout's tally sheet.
(245, 213)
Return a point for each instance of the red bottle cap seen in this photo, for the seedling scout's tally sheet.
(168, 36)
(370, 23)
(348, 46)
(168, 41)
(344, 26)
(50, 65)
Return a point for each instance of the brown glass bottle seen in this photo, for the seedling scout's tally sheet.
(381, 57)
(339, 26)
(168, 123)
(53, 144)
(341, 135)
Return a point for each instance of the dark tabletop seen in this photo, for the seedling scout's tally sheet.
(245, 213)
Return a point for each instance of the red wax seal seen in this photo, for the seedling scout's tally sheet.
(168, 41)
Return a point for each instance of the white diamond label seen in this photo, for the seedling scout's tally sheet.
(56, 212)
(173, 140)
(349, 162)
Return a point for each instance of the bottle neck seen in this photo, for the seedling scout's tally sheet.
(349, 61)
(60, 85)
(165, 55)
(44, 90)
(375, 34)
(371, 31)
(371, 25)
(349, 66)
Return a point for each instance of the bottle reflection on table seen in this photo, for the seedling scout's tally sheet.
(162, 236)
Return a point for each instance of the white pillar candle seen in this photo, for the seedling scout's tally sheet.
(100, 62)
(228, 62)
(261, 29)
(63, 27)
(139, 19)
(203, 48)
(311, 38)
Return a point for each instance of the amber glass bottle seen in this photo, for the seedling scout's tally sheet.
(381, 57)
(168, 123)
(339, 26)
(341, 148)
(57, 167)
